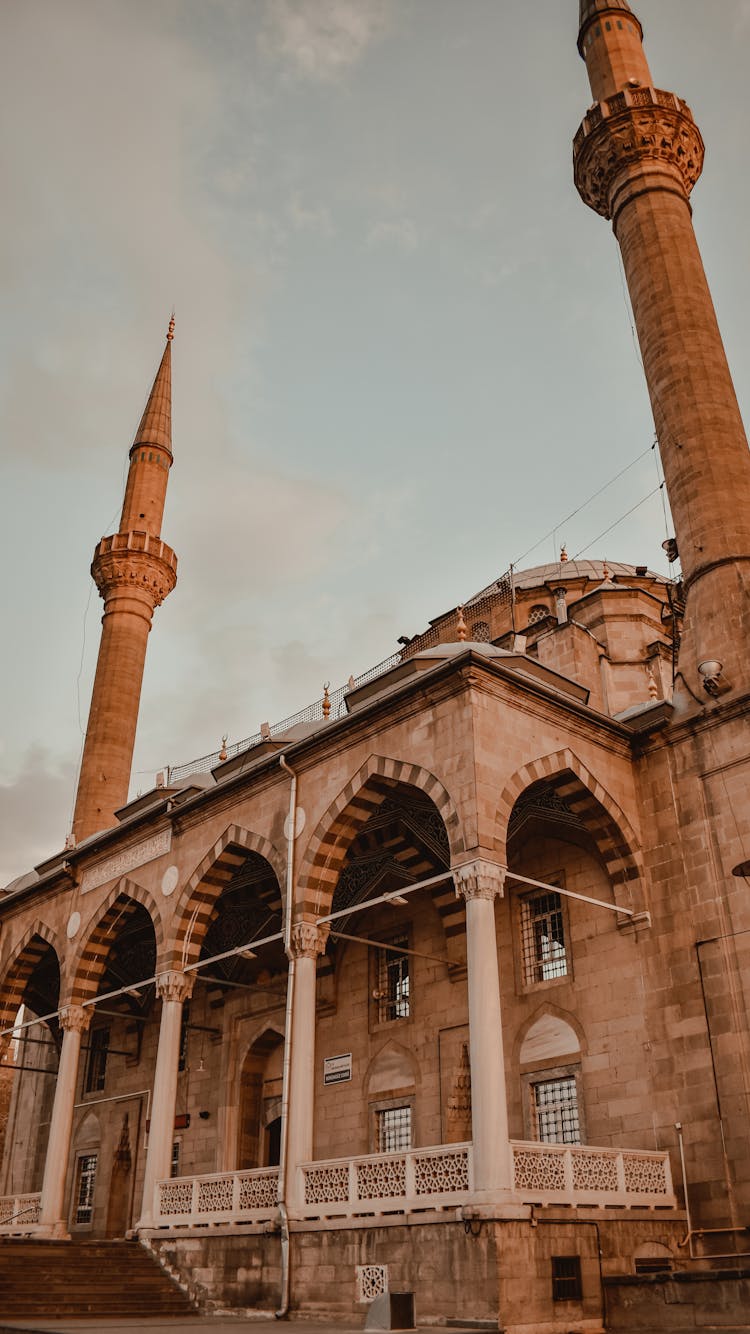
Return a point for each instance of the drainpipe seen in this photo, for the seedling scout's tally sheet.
(291, 830)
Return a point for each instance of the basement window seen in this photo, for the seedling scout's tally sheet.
(566, 1278)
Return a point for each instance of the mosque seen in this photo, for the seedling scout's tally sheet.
(435, 994)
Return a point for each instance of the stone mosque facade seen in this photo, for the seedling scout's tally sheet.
(442, 986)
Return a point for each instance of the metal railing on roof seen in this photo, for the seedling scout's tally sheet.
(501, 592)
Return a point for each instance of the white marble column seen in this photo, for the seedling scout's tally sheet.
(74, 1021)
(308, 942)
(174, 989)
(480, 883)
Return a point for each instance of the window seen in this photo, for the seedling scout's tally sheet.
(392, 989)
(538, 613)
(174, 1169)
(184, 1025)
(543, 938)
(566, 1278)
(555, 1110)
(96, 1065)
(85, 1184)
(394, 1129)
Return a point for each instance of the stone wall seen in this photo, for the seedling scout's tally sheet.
(679, 1302)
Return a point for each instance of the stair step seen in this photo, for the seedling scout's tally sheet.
(54, 1279)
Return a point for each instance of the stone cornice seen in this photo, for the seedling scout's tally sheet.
(637, 126)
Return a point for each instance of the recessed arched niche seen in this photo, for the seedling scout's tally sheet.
(550, 1037)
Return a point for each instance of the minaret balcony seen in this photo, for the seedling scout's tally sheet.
(134, 560)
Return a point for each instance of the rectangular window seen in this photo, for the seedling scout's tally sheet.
(394, 1129)
(543, 938)
(182, 1062)
(96, 1064)
(555, 1109)
(85, 1184)
(566, 1278)
(393, 981)
(174, 1170)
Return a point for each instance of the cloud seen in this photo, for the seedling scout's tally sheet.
(315, 219)
(35, 811)
(321, 39)
(401, 233)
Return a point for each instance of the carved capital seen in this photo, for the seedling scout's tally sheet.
(479, 880)
(175, 986)
(75, 1019)
(134, 563)
(637, 125)
(308, 940)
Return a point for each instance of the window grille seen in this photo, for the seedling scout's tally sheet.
(394, 1129)
(96, 1065)
(174, 1170)
(555, 1110)
(566, 1278)
(372, 1281)
(393, 981)
(538, 613)
(543, 938)
(85, 1184)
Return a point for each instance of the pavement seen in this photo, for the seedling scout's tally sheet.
(229, 1324)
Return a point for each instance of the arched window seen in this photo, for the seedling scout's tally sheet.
(550, 1064)
(538, 613)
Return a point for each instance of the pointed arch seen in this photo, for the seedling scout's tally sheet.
(551, 1020)
(213, 873)
(27, 954)
(393, 1067)
(585, 797)
(122, 902)
(350, 811)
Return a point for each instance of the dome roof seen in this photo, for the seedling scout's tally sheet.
(560, 571)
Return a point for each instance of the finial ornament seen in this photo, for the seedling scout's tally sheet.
(223, 751)
(605, 570)
(653, 688)
(461, 626)
(563, 552)
(326, 701)
(170, 330)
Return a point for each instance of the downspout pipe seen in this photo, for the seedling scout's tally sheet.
(291, 830)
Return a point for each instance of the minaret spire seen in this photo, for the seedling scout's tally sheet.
(134, 571)
(637, 156)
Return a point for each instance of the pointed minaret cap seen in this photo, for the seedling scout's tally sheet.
(590, 10)
(156, 422)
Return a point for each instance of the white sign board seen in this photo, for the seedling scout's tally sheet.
(337, 1069)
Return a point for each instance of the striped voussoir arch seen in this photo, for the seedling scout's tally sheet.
(350, 811)
(122, 902)
(195, 907)
(29, 952)
(569, 779)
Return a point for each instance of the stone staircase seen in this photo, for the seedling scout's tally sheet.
(85, 1279)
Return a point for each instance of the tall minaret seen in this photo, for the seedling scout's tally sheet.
(134, 571)
(637, 156)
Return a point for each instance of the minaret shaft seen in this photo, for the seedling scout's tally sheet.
(637, 157)
(134, 571)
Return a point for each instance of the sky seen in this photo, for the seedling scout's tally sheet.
(403, 356)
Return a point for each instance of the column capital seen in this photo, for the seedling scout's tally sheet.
(75, 1019)
(308, 940)
(175, 986)
(479, 879)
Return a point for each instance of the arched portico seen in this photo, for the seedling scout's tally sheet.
(559, 789)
